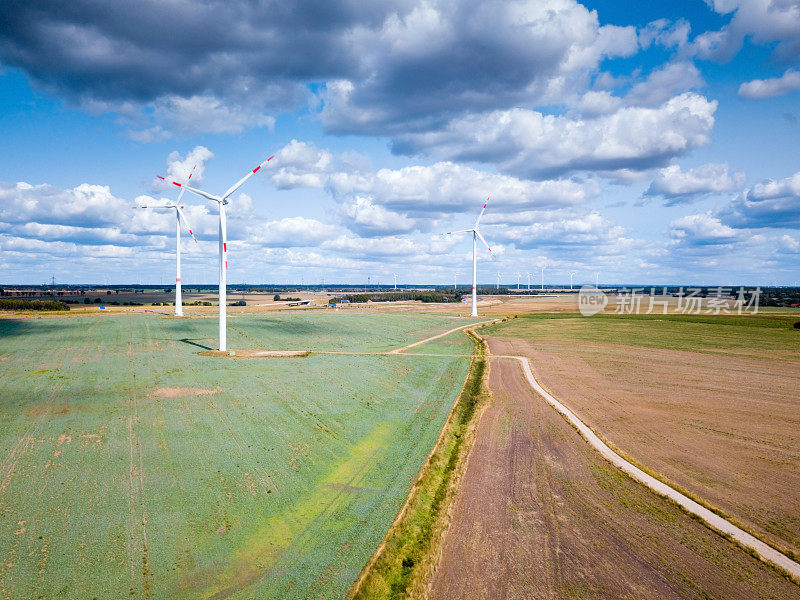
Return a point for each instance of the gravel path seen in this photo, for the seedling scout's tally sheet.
(766, 552)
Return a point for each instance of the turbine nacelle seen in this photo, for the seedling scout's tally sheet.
(223, 199)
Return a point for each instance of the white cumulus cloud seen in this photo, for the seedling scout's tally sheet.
(527, 143)
(759, 89)
(702, 229)
(676, 185)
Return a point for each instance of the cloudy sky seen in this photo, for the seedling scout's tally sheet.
(652, 142)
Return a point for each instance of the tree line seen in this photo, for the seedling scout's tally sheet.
(397, 296)
(9, 304)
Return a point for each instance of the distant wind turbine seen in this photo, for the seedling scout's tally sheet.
(571, 275)
(542, 278)
(179, 216)
(518, 276)
(498, 280)
(476, 235)
(223, 242)
(529, 281)
(395, 282)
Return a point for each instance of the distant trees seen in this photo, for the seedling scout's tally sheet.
(8, 304)
(397, 296)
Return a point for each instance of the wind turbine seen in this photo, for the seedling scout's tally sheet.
(476, 234)
(597, 280)
(395, 282)
(529, 281)
(542, 278)
(498, 280)
(455, 275)
(571, 275)
(223, 242)
(518, 276)
(179, 216)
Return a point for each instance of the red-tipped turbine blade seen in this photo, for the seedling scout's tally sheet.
(239, 183)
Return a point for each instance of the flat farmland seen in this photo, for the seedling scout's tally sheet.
(132, 467)
(540, 514)
(710, 403)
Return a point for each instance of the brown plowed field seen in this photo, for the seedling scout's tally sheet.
(540, 515)
(725, 428)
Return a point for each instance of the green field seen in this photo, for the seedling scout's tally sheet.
(132, 467)
(756, 336)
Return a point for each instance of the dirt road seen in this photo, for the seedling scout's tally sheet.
(540, 514)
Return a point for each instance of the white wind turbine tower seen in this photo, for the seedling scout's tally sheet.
(179, 216)
(476, 234)
(529, 281)
(223, 243)
(571, 275)
(395, 282)
(498, 280)
(542, 278)
(597, 280)
(518, 276)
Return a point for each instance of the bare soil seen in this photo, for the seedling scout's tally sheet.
(271, 353)
(725, 428)
(182, 392)
(540, 515)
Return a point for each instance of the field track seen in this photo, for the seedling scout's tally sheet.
(441, 335)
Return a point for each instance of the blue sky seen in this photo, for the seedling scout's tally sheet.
(651, 142)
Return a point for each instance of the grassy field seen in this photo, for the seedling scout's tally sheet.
(758, 336)
(408, 557)
(132, 467)
(710, 403)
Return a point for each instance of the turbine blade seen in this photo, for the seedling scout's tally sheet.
(239, 183)
(185, 222)
(483, 210)
(455, 232)
(478, 233)
(200, 193)
(183, 189)
(157, 206)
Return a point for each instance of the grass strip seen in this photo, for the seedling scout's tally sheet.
(402, 565)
